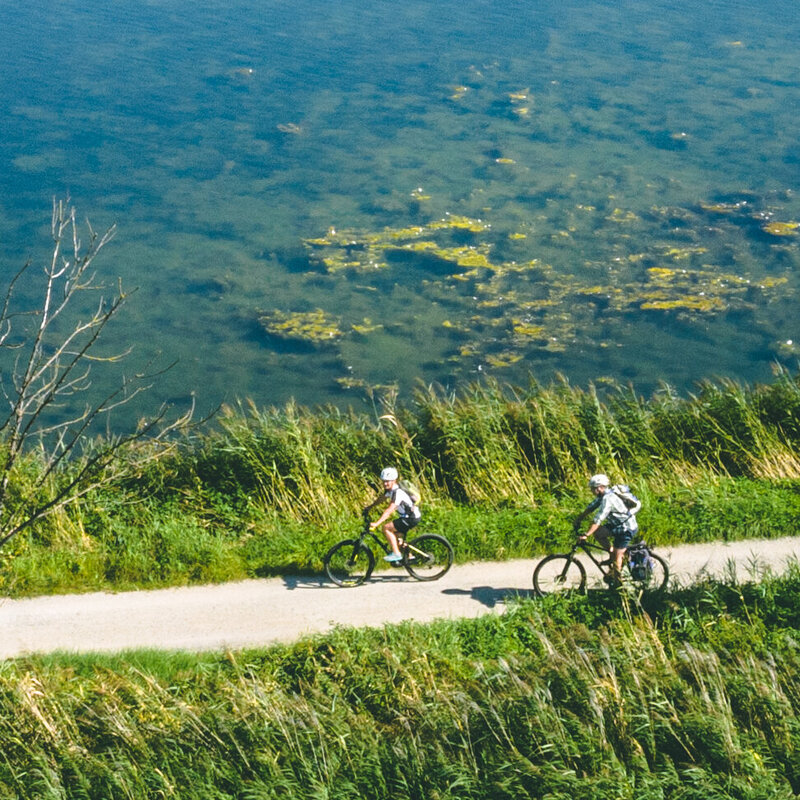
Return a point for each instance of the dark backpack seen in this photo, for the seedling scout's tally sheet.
(639, 562)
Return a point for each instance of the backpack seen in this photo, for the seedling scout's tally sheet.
(639, 562)
(623, 491)
(410, 489)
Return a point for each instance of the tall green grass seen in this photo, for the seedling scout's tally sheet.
(502, 470)
(496, 444)
(694, 697)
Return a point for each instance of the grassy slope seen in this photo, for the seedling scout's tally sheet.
(588, 697)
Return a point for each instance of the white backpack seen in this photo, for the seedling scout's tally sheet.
(631, 501)
(410, 489)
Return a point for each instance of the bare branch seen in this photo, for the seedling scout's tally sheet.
(52, 367)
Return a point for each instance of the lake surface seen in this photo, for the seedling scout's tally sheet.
(315, 199)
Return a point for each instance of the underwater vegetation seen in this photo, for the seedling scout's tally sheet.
(315, 327)
(781, 228)
(502, 303)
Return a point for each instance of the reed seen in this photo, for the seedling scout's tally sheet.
(497, 444)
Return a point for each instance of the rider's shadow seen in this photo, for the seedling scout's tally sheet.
(490, 596)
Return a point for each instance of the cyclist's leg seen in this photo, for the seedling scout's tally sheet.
(603, 537)
(402, 525)
(622, 538)
(391, 531)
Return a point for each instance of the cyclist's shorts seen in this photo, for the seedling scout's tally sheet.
(405, 524)
(622, 537)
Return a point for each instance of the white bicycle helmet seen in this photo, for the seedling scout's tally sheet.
(389, 474)
(599, 480)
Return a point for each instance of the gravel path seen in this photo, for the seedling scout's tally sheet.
(261, 612)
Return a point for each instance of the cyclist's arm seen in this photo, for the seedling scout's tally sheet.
(603, 509)
(591, 529)
(585, 513)
(383, 517)
(374, 503)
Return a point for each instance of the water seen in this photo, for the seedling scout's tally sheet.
(625, 162)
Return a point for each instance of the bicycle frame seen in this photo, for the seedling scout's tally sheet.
(586, 548)
(368, 533)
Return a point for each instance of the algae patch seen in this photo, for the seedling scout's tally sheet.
(314, 327)
(489, 310)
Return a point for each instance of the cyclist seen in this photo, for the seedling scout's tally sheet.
(620, 523)
(408, 513)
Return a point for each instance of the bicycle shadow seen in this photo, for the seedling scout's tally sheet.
(491, 596)
(293, 582)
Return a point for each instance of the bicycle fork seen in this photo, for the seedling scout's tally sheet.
(563, 576)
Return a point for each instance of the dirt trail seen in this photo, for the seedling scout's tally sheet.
(261, 612)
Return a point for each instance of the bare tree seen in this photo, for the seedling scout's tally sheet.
(46, 360)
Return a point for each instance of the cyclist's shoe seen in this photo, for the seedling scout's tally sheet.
(613, 580)
(393, 558)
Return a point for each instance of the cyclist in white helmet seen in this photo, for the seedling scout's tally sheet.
(408, 513)
(613, 521)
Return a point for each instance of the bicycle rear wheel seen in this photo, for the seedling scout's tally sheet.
(657, 576)
(349, 563)
(559, 573)
(428, 557)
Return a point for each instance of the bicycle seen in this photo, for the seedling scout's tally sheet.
(425, 557)
(563, 572)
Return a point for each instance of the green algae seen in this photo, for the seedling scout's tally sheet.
(366, 327)
(722, 208)
(504, 359)
(622, 216)
(688, 303)
(781, 228)
(315, 327)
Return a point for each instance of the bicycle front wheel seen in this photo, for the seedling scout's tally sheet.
(349, 563)
(428, 557)
(657, 576)
(559, 573)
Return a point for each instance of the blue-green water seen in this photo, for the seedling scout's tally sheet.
(634, 167)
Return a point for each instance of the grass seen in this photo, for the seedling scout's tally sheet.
(585, 697)
(502, 470)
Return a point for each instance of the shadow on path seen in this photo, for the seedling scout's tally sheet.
(490, 596)
(319, 582)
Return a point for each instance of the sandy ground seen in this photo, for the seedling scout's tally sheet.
(262, 612)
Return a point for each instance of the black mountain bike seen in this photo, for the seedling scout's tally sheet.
(562, 572)
(350, 562)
